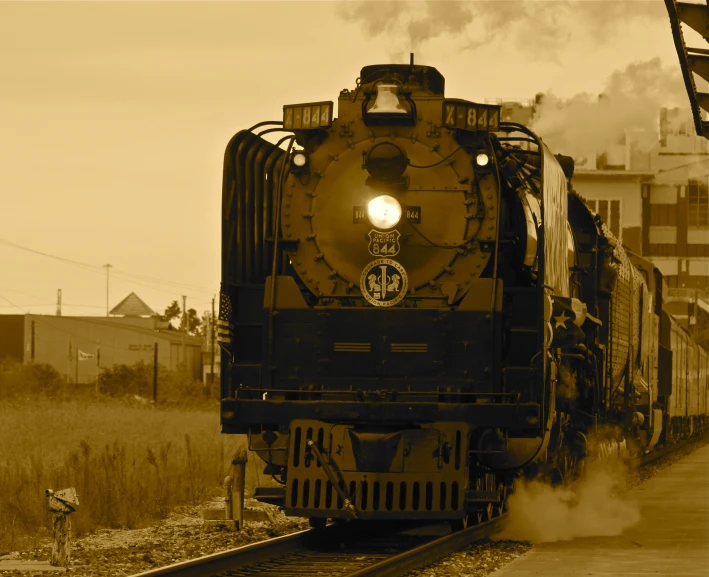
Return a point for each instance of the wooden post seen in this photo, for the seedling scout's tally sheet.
(98, 370)
(210, 381)
(238, 475)
(33, 337)
(228, 503)
(155, 374)
(61, 504)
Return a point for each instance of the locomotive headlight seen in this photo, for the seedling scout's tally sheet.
(384, 211)
(299, 159)
(482, 159)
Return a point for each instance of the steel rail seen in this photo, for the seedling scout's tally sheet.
(224, 560)
(430, 552)
(266, 554)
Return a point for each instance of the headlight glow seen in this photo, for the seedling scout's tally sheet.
(482, 159)
(384, 211)
(299, 159)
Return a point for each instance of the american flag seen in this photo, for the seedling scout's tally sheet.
(224, 326)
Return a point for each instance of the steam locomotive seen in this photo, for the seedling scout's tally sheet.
(416, 306)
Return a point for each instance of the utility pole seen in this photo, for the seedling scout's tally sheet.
(155, 375)
(107, 267)
(32, 343)
(210, 382)
(59, 302)
(184, 329)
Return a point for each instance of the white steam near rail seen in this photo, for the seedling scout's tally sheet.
(540, 513)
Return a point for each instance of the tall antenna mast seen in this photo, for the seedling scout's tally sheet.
(59, 302)
(107, 267)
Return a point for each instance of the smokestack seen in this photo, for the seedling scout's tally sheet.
(411, 59)
(59, 302)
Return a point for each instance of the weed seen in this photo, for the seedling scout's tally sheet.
(129, 464)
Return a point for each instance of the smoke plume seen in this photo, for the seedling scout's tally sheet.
(540, 513)
(628, 109)
(540, 28)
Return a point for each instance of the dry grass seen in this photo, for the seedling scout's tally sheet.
(130, 464)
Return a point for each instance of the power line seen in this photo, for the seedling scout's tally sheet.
(123, 275)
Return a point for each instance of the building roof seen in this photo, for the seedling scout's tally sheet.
(132, 306)
(629, 174)
(170, 335)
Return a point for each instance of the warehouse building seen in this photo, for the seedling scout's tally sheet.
(83, 346)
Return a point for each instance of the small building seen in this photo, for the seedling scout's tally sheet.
(83, 346)
(676, 224)
(616, 196)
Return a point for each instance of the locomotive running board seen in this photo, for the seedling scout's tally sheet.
(242, 412)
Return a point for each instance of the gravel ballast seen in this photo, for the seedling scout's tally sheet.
(183, 535)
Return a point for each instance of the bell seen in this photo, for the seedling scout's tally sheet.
(387, 101)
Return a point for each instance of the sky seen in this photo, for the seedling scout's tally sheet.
(114, 116)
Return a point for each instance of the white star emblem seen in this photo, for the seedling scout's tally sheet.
(561, 320)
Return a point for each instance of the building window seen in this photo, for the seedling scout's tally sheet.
(698, 203)
(663, 215)
(610, 213)
(663, 249)
(701, 250)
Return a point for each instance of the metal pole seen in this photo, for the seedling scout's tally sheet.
(211, 375)
(155, 374)
(107, 267)
(184, 329)
(77, 365)
(32, 343)
(238, 484)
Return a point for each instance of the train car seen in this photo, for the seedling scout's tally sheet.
(687, 399)
(416, 307)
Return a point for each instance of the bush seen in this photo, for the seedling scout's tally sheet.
(120, 380)
(19, 379)
(175, 388)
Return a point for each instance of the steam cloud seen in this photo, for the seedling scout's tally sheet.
(538, 27)
(566, 386)
(540, 513)
(628, 108)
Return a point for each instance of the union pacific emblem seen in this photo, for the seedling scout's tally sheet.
(384, 282)
(384, 243)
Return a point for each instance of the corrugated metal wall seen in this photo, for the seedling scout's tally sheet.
(57, 341)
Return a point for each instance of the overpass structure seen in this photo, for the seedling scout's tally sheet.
(692, 60)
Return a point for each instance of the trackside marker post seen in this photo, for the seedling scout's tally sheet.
(62, 504)
(238, 483)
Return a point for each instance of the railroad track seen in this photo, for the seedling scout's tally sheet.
(349, 550)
